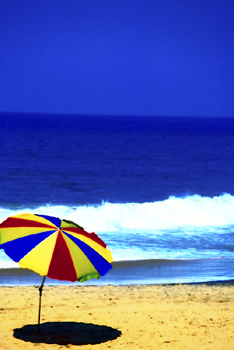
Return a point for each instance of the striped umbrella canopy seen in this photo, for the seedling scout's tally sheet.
(59, 249)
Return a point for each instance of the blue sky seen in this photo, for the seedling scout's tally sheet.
(125, 57)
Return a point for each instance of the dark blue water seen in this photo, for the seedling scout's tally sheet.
(156, 190)
(89, 159)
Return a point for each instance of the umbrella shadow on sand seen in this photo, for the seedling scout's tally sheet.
(64, 333)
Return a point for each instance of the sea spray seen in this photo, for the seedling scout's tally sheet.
(190, 211)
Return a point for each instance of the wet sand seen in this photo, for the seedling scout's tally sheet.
(119, 317)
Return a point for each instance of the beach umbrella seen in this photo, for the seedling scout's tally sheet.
(59, 249)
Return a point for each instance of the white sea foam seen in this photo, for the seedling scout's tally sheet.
(191, 211)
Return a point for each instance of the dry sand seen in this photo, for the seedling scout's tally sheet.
(118, 317)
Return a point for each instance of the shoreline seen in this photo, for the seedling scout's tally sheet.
(179, 316)
(139, 272)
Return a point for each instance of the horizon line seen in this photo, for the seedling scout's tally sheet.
(112, 115)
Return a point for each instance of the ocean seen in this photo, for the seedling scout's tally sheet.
(158, 190)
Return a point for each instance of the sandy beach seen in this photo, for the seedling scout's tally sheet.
(198, 316)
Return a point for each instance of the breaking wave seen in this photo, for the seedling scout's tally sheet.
(191, 211)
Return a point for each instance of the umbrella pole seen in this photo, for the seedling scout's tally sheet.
(40, 294)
